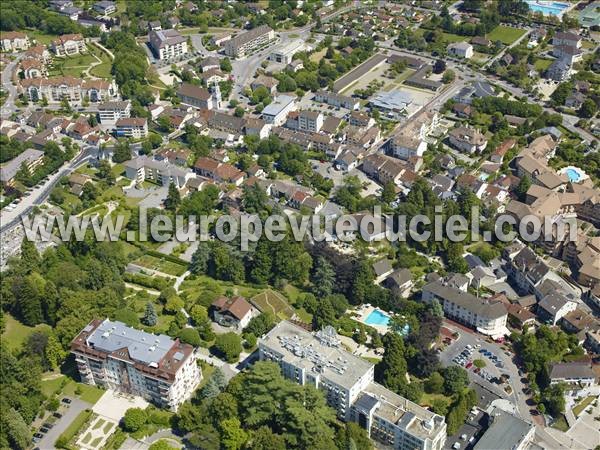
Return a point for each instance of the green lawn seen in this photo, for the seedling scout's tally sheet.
(561, 424)
(73, 65)
(577, 410)
(101, 70)
(507, 35)
(541, 64)
(41, 37)
(15, 333)
(162, 265)
(98, 424)
(90, 394)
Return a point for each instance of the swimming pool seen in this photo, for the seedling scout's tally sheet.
(377, 317)
(574, 176)
(547, 8)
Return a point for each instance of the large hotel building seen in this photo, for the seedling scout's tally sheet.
(114, 356)
(348, 384)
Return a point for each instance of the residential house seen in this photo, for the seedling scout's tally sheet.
(574, 373)
(399, 282)
(233, 312)
(466, 139)
(68, 45)
(382, 269)
(14, 41)
(167, 44)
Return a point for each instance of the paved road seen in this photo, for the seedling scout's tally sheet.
(76, 406)
(517, 397)
(39, 195)
(7, 84)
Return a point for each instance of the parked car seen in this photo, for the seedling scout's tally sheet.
(57, 415)
(43, 430)
(66, 400)
(48, 425)
(38, 435)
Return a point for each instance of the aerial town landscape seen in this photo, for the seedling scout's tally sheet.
(124, 124)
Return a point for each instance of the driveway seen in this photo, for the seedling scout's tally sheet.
(69, 415)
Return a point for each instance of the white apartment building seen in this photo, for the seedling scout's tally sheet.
(467, 139)
(246, 42)
(310, 121)
(167, 44)
(276, 112)
(68, 45)
(461, 50)
(156, 367)
(285, 54)
(160, 171)
(133, 127)
(74, 90)
(487, 317)
(12, 41)
(110, 112)
(410, 140)
(347, 382)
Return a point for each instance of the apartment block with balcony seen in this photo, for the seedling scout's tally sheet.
(68, 45)
(247, 42)
(348, 384)
(110, 112)
(134, 127)
(114, 356)
(167, 44)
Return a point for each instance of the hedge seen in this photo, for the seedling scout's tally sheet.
(73, 429)
(159, 283)
(171, 258)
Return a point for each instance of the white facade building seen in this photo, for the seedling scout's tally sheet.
(162, 172)
(110, 112)
(347, 382)
(276, 112)
(167, 44)
(461, 50)
(156, 367)
(246, 42)
(487, 317)
(68, 45)
(133, 127)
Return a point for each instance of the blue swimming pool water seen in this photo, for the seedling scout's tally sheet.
(377, 317)
(547, 8)
(574, 175)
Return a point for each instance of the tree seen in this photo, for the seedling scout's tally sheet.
(190, 336)
(448, 76)
(122, 152)
(229, 345)
(161, 444)
(587, 109)
(391, 370)
(260, 325)
(173, 199)
(388, 195)
(232, 435)
(200, 258)
(523, 187)
(265, 439)
(455, 380)
(239, 111)
(435, 383)
(323, 278)
(174, 304)
(150, 318)
(18, 431)
(439, 66)
(105, 172)
(214, 386)
(134, 419)
(225, 65)
(324, 315)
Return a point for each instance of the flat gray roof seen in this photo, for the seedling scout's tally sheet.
(10, 169)
(505, 431)
(144, 347)
(304, 349)
(277, 105)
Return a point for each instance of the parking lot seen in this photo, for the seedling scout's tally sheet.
(327, 170)
(45, 436)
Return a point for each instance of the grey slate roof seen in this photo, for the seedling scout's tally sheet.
(144, 347)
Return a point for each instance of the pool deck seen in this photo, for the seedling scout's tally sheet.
(582, 175)
(549, 4)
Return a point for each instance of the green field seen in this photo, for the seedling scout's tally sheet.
(15, 333)
(271, 301)
(75, 427)
(507, 35)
